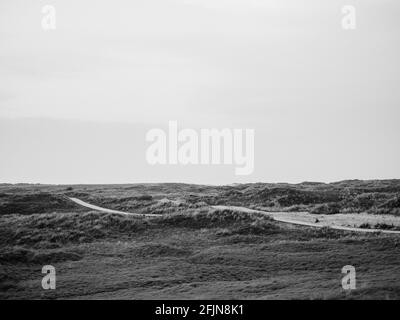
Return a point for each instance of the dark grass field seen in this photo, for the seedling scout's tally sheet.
(192, 251)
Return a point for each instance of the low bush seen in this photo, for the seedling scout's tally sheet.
(326, 208)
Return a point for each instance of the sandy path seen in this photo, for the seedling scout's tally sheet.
(303, 219)
(297, 218)
(91, 206)
(341, 219)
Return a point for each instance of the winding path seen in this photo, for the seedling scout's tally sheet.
(91, 206)
(241, 209)
(302, 223)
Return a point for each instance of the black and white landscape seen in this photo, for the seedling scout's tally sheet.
(180, 241)
(199, 149)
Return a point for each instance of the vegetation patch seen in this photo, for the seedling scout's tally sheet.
(34, 203)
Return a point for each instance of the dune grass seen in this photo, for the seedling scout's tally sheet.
(195, 252)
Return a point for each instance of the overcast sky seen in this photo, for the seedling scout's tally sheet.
(76, 102)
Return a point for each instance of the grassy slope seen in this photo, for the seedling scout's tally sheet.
(196, 253)
(375, 196)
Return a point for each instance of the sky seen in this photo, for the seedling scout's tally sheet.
(76, 102)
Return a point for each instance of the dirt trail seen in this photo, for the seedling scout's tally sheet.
(91, 206)
(276, 217)
(273, 215)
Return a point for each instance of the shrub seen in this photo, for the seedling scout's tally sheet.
(326, 208)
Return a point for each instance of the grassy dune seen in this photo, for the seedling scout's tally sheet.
(192, 252)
